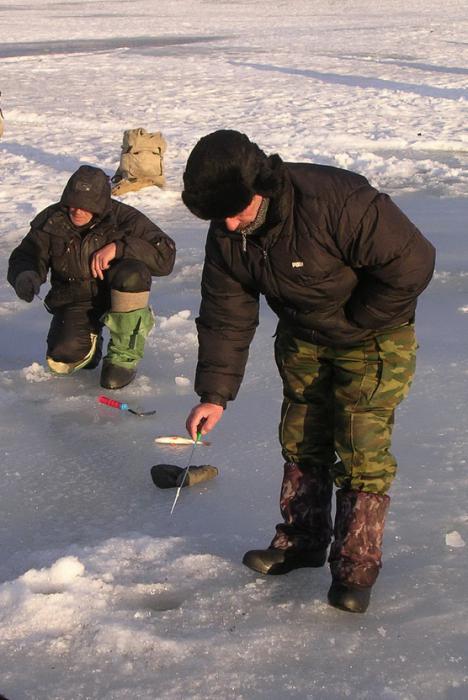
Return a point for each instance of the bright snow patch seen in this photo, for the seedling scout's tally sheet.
(58, 576)
(454, 539)
(182, 381)
(36, 373)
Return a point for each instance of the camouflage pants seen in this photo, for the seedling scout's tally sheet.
(341, 401)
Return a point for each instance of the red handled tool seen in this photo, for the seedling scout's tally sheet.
(123, 406)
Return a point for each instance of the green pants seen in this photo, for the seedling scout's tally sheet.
(339, 404)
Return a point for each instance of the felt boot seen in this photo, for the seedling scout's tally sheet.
(66, 368)
(356, 554)
(128, 331)
(303, 538)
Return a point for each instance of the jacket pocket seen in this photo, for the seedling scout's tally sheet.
(397, 352)
(58, 247)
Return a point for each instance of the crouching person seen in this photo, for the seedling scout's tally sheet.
(102, 255)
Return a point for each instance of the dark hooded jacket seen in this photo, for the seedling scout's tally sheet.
(337, 261)
(54, 243)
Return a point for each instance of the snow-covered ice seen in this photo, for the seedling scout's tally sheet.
(103, 595)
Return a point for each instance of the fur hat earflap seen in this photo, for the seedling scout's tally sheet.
(270, 178)
(224, 171)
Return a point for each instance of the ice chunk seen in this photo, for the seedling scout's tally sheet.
(454, 539)
(36, 373)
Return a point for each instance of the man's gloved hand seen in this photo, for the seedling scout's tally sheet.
(28, 283)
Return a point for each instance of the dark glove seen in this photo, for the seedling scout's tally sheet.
(27, 284)
(169, 476)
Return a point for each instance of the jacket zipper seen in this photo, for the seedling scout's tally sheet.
(244, 247)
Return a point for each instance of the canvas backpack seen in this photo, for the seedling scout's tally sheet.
(141, 161)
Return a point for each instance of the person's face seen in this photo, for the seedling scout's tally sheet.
(245, 217)
(79, 217)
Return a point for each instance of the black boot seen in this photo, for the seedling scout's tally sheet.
(303, 537)
(274, 562)
(349, 598)
(115, 377)
(356, 553)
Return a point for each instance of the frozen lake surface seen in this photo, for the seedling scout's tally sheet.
(103, 596)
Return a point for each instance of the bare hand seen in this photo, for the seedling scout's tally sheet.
(203, 418)
(101, 259)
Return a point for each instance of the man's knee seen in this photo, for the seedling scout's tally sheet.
(306, 434)
(363, 443)
(130, 276)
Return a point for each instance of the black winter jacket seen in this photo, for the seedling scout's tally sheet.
(54, 243)
(336, 260)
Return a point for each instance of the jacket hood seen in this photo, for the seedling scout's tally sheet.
(88, 188)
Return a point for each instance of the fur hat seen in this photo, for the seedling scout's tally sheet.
(224, 171)
(88, 188)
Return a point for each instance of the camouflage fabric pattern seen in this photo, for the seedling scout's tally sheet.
(342, 401)
(356, 553)
(305, 503)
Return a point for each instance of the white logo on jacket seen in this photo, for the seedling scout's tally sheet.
(297, 263)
